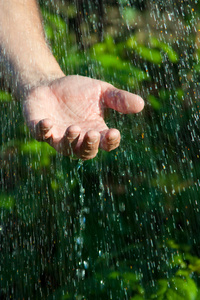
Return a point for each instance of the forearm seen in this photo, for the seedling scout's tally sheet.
(25, 57)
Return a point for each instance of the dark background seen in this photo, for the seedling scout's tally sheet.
(124, 225)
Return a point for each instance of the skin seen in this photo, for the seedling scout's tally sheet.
(65, 111)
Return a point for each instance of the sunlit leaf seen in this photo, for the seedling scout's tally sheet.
(137, 297)
(36, 147)
(173, 56)
(99, 48)
(131, 277)
(55, 20)
(176, 288)
(183, 273)
(49, 32)
(154, 102)
(5, 96)
(149, 54)
(178, 260)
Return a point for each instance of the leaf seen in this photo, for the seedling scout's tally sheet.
(54, 185)
(173, 56)
(180, 94)
(114, 275)
(194, 265)
(137, 297)
(183, 273)
(179, 261)
(108, 46)
(150, 54)
(55, 20)
(197, 68)
(177, 288)
(109, 41)
(108, 60)
(131, 74)
(99, 48)
(49, 32)
(163, 286)
(131, 277)
(154, 102)
(36, 147)
(41, 152)
(185, 287)
(5, 96)
(6, 201)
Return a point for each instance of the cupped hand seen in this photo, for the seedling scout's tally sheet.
(68, 113)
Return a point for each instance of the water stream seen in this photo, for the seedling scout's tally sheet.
(126, 224)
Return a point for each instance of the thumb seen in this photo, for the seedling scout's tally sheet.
(122, 101)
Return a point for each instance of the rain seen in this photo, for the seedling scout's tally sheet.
(125, 224)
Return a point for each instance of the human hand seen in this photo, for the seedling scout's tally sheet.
(68, 114)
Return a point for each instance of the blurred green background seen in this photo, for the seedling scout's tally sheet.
(126, 224)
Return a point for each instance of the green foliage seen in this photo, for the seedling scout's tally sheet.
(149, 54)
(56, 32)
(5, 96)
(154, 102)
(126, 224)
(173, 56)
(6, 201)
(41, 153)
(176, 288)
(109, 55)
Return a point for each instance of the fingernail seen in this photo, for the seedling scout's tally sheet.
(110, 139)
(73, 136)
(93, 142)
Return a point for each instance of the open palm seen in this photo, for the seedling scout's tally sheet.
(68, 114)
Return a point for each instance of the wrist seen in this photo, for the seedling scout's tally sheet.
(36, 78)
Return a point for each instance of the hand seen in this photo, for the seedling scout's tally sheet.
(68, 114)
